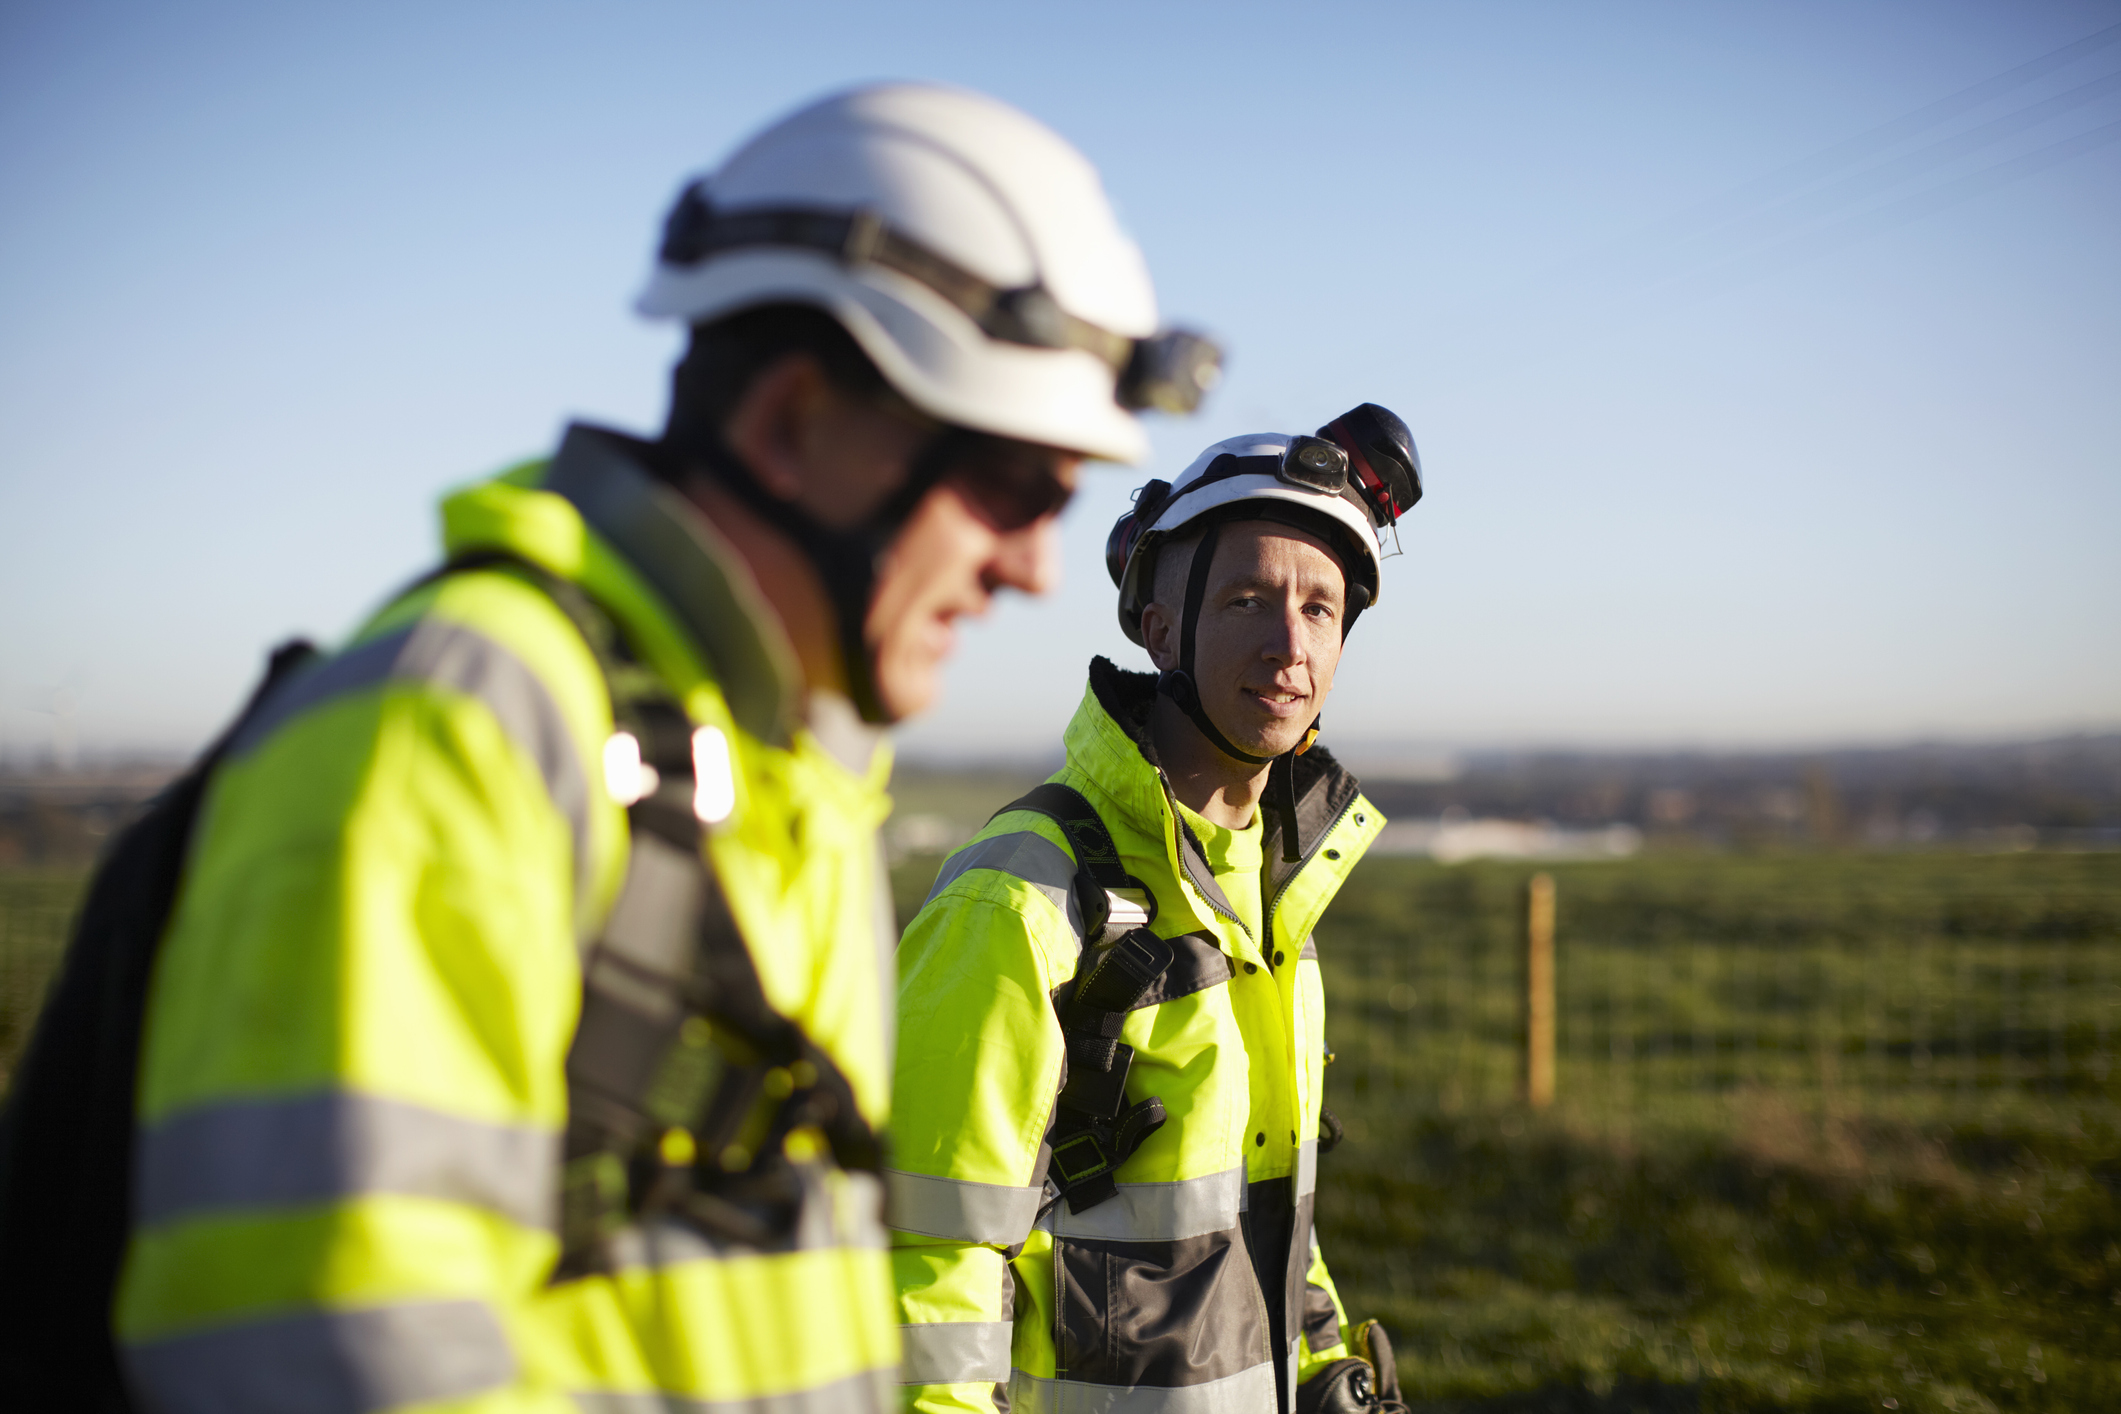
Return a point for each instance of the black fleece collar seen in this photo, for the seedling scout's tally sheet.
(1312, 789)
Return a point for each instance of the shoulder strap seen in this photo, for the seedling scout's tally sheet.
(684, 1084)
(66, 1134)
(1094, 1130)
(1098, 873)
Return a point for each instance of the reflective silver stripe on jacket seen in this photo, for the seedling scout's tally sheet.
(1247, 1392)
(1306, 1167)
(1033, 858)
(327, 1362)
(444, 654)
(1157, 1212)
(249, 1154)
(821, 1224)
(961, 1211)
(955, 1353)
(870, 1393)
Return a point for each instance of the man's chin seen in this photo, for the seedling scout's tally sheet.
(909, 686)
(1268, 744)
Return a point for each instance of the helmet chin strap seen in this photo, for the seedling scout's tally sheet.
(846, 561)
(1180, 685)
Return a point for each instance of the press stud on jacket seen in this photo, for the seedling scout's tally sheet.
(354, 1086)
(1187, 1290)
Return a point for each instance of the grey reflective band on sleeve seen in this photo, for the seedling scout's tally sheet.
(1033, 858)
(955, 1353)
(825, 1220)
(1306, 1167)
(1246, 1392)
(327, 1362)
(1157, 1212)
(871, 1393)
(443, 654)
(244, 1155)
(1310, 949)
(957, 1210)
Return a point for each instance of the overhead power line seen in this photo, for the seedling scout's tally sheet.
(1823, 163)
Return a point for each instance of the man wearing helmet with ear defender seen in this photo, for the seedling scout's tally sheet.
(521, 1037)
(1108, 1098)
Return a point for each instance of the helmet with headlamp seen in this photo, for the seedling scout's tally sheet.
(973, 256)
(1348, 485)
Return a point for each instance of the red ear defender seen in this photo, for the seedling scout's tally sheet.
(1382, 461)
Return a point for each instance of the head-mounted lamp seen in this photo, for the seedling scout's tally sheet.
(1314, 464)
(1171, 372)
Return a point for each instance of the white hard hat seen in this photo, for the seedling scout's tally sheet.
(967, 248)
(1345, 485)
(1348, 484)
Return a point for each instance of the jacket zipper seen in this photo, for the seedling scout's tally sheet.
(1184, 872)
(1267, 923)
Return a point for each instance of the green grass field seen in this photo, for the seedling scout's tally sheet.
(36, 909)
(1833, 1132)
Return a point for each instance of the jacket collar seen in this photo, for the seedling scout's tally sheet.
(685, 560)
(1110, 741)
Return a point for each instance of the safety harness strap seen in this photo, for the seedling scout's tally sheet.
(684, 1085)
(1094, 1130)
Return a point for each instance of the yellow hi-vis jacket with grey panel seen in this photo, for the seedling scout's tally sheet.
(353, 1087)
(1199, 1288)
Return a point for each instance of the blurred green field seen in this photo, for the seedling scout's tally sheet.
(1834, 1132)
(36, 910)
(1830, 1131)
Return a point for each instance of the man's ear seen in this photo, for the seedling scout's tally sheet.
(771, 428)
(1160, 636)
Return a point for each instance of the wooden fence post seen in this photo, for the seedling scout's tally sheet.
(1539, 991)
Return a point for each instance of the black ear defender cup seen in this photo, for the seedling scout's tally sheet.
(1381, 458)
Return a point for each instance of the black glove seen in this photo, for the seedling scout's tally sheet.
(1370, 1336)
(1356, 1386)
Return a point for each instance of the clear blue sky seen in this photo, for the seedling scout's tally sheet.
(1720, 453)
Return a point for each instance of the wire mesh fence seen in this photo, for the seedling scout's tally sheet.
(1920, 987)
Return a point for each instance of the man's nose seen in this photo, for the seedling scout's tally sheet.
(1285, 639)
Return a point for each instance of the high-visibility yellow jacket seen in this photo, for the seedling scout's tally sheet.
(1199, 1288)
(353, 1083)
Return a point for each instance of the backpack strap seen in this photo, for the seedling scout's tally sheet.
(686, 1089)
(1094, 1130)
(66, 1131)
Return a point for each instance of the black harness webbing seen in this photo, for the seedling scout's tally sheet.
(1094, 1130)
(684, 1085)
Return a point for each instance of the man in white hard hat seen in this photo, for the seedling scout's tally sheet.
(1108, 1100)
(521, 1031)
